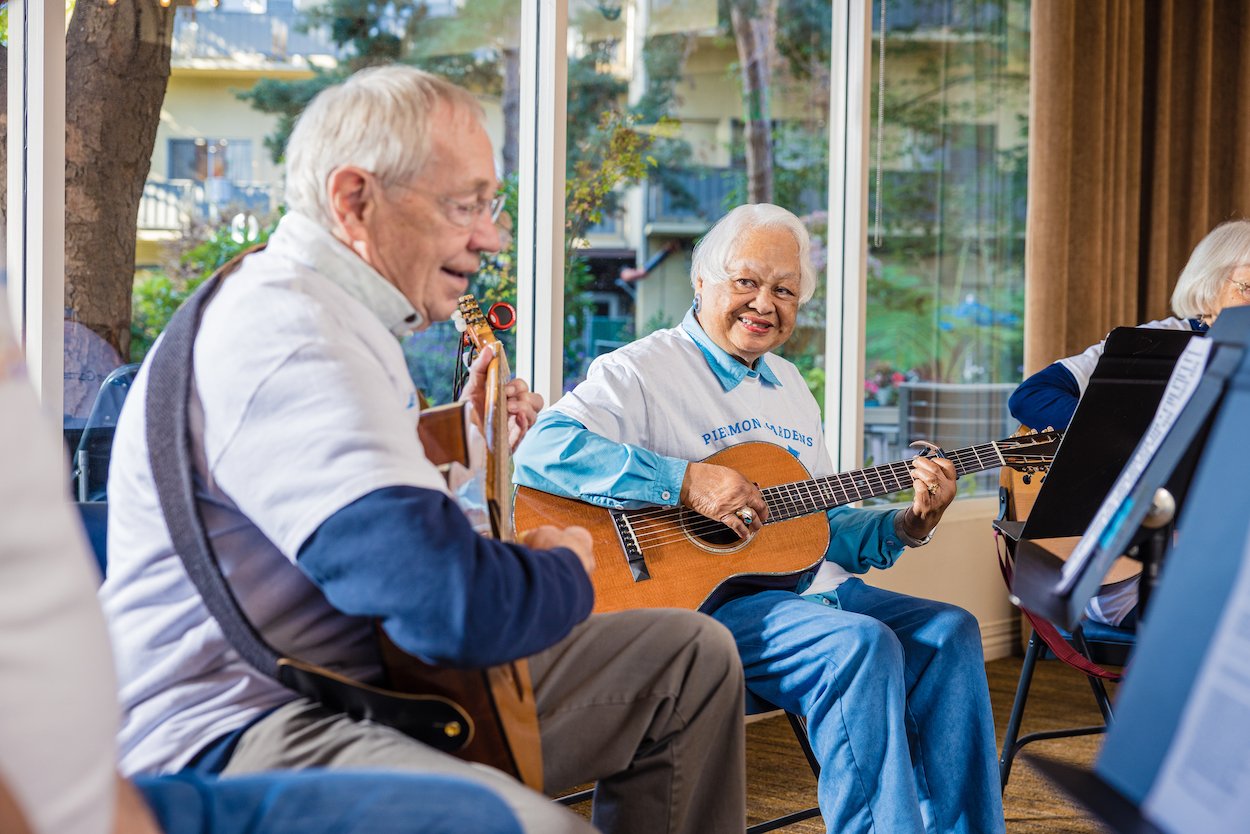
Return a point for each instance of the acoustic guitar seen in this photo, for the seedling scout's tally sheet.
(672, 557)
(503, 729)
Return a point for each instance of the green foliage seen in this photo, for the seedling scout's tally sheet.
(376, 32)
(157, 294)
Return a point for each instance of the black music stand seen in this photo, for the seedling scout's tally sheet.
(1200, 574)
(1114, 413)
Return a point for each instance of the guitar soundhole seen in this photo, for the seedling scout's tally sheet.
(710, 534)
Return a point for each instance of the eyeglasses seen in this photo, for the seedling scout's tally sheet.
(464, 213)
(1242, 286)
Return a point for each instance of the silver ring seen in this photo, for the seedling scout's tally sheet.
(746, 515)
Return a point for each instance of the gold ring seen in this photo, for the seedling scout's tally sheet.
(933, 489)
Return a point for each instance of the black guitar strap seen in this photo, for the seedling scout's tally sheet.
(432, 719)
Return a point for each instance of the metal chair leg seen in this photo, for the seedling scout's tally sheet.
(1095, 683)
(1010, 746)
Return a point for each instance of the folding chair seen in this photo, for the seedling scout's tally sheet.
(1087, 648)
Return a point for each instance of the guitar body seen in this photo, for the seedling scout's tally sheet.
(499, 700)
(687, 569)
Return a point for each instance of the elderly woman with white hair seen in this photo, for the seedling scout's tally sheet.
(893, 687)
(1216, 276)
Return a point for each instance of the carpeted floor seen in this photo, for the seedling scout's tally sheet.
(780, 782)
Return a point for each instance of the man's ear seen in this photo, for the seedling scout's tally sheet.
(352, 202)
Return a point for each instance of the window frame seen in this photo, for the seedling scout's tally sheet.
(35, 200)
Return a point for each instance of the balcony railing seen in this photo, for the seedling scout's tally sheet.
(706, 197)
(177, 205)
(273, 36)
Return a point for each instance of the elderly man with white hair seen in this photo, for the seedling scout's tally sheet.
(327, 516)
(893, 687)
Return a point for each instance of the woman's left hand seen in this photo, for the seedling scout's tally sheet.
(934, 481)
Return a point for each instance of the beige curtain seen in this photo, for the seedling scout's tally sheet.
(1139, 144)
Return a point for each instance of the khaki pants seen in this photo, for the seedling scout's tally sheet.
(647, 703)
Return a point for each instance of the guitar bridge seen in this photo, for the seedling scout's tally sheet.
(629, 543)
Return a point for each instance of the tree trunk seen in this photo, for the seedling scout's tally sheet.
(117, 66)
(755, 26)
(511, 107)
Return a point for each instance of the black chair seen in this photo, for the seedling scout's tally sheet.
(1096, 644)
(95, 519)
(1102, 645)
(95, 446)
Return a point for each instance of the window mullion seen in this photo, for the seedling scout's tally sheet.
(850, 74)
(540, 215)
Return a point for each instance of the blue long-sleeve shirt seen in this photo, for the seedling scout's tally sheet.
(1047, 399)
(429, 569)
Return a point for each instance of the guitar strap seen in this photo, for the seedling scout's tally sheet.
(432, 719)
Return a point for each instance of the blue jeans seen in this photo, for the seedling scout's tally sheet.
(324, 802)
(897, 705)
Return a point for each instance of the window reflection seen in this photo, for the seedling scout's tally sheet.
(732, 100)
(944, 329)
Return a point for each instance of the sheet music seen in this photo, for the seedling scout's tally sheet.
(1116, 506)
(1203, 786)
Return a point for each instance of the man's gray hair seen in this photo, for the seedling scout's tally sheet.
(379, 119)
(715, 253)
(1225, 248)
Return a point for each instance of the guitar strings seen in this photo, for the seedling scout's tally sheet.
(653, 528)
(656, 527)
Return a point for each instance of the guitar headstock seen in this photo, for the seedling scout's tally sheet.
(473, 323)
(1029, 452)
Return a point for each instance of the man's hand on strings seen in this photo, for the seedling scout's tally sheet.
(576, 539)
(721, 493)
(934, 482)
(523, 404)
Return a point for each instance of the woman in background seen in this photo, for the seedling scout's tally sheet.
(1216, 276)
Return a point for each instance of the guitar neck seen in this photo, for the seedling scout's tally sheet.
(799, 498)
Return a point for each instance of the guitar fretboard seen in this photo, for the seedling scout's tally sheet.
(799, 498)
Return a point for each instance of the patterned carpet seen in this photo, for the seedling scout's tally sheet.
(780, 782)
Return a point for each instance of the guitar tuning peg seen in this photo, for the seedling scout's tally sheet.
(457, 318)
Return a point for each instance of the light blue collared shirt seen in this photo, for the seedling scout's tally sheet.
(728, 370)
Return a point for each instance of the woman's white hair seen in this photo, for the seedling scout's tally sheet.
(715, 253)
(1225, 248)
(380, 119)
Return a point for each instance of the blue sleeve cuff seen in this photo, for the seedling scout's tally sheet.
(862, 539)
(563, 457)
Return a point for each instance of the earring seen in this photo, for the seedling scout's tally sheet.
(698, 301)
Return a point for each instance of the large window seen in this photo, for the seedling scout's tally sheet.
(676, 112)
(945, 284)
(726, 103)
